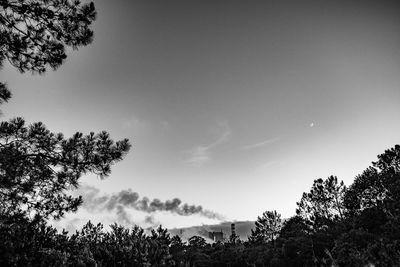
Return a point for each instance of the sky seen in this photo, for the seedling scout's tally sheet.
(235, 106)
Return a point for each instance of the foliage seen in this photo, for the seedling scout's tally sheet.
(378, 186)
(34, 33)
(5, 94)
(177, 250)
(267, 227)
(37, 167)
(159, 247)
(323, 204)
(389, 161)
(31, 243)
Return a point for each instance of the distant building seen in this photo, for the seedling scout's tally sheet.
(216, 236)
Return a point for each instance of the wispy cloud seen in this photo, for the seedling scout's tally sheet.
(201, 154)
(270, 163)
(262, 143)
(133, 122)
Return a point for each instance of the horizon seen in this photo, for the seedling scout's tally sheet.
(232, 109)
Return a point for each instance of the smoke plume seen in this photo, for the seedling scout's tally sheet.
(94, 201)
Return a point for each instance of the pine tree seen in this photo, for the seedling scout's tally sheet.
(34, 33)
(267, 228)
(37, 167)
(324, 203)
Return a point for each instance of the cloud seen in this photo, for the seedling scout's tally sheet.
(270, 163)
(262, 143)
(94, 201)
(139, 124)
(133, 123)
(201, 154)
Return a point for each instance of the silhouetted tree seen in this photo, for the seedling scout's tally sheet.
(34, 34)
(197, 242)
(295, 242)
(5, 94)
(367, 191)
(323, 204)
(160, 241)
(389, 161)
(127, 247)
(267, 228)
(378, 186)
(373, 204)
(228, 254)
(177, 250)
(37, 167)
(196, 252)
(27, 243)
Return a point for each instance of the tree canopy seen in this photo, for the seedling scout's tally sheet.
(267, 227)
(37, 167)
(34, 34)
(324, 202)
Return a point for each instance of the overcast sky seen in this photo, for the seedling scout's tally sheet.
(236, 106)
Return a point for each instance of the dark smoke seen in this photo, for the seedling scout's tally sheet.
(122, 215)
(93, 201)
(149, 220)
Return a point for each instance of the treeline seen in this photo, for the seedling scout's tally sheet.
(334, 225)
